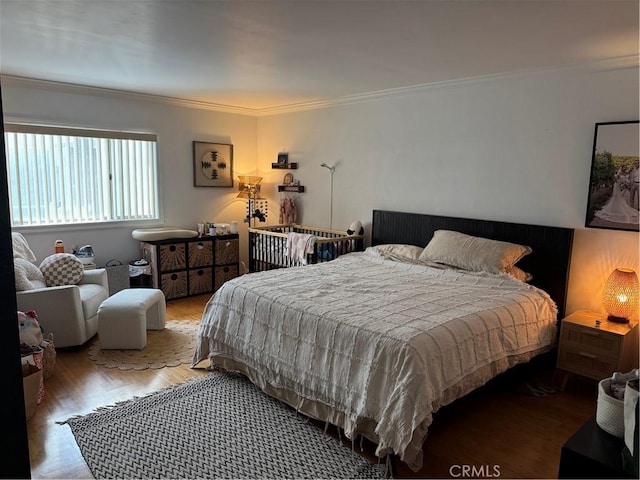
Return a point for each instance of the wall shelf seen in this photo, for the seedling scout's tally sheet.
(286, 166)
(291, 188)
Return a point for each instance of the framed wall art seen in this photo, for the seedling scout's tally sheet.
(212, 164)
(613, 185)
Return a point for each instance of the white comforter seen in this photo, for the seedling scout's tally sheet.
(377, 339)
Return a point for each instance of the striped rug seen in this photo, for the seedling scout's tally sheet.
(217, 426)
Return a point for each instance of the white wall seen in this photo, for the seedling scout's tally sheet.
(513, 149)
(177, 127)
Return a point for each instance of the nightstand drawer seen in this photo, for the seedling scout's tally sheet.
(587, 363)
(579, 338)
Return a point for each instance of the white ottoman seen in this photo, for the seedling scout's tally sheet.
(123, 318)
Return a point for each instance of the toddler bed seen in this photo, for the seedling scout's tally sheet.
(291, 245)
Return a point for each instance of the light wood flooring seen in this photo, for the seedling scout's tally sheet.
(496, 428)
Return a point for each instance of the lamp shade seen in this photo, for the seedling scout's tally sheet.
(620, 295)
(249, 179)
(249, 185)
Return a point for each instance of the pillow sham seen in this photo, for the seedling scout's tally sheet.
(519, 274)
(476, 254)
(399, 251)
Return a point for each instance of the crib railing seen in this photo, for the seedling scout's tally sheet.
(268, 246)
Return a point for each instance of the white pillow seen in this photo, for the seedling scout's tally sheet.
(62, 269)
(397, 251)
(21, 247)
(28, 276)
(475, 254)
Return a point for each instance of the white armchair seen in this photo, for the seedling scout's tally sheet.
(70, 312)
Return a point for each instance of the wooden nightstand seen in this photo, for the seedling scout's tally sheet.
(597, 352)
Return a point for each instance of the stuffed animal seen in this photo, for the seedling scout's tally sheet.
(355, 228)
(30, 332)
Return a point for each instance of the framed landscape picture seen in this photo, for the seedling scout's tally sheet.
(212, 164)
(613, 185)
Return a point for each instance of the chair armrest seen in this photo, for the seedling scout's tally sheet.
(97, 276)
(48, 298)
(59, 311)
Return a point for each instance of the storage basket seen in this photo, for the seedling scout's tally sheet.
(49, 355)
(118, 276)
(609, 410)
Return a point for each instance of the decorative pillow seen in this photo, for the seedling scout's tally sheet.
(399, 251)
(476, 254)
(519, 274)
(21, 247)
(28, 276)
(62, 269)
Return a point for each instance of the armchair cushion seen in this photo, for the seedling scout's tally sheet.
(28, 276)
(62, 269)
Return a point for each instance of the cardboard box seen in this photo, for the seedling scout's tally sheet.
(31, 376)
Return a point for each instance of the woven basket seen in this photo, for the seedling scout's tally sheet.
(49, 355)
(609, 410)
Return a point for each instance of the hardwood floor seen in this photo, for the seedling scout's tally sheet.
(496, 429)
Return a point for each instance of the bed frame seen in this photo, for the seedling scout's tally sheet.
(267, 245)
(548, 262)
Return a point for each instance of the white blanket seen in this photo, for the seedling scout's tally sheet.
(376, 339)
(299, 245)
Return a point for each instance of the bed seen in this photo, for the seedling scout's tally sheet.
(268, 246)
(376, 345)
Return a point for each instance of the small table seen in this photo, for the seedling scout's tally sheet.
(597, 351)
(592, 453)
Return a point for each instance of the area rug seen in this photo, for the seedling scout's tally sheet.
(170, 347)
(216, 426)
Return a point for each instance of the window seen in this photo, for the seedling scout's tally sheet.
(65, 176)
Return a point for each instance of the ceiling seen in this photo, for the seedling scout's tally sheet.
(266, 54)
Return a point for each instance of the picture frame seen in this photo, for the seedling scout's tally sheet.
(613, 201)
(283, 157)
(212, 164)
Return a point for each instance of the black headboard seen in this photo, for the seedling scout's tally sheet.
(548, 263)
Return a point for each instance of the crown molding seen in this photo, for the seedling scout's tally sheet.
(609, 64)
(121, 94)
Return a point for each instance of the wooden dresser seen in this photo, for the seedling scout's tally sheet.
(597, 352)
(183, 267)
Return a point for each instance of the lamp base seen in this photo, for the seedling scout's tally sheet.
(611, 318)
